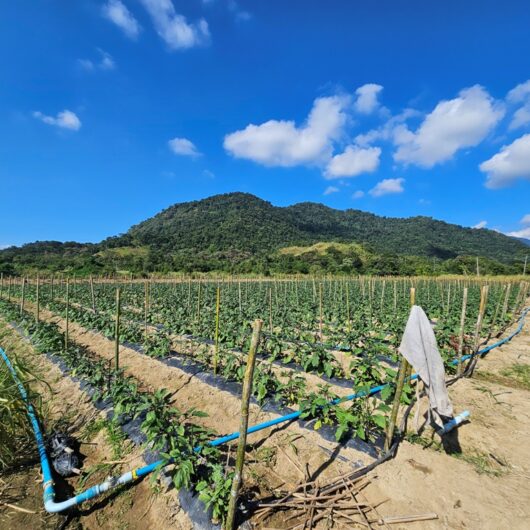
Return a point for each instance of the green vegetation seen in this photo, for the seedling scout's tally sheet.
(521, 373)
(240, 233)
(16, 435)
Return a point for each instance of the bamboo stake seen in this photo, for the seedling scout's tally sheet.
(216, 352)
(92, 294)
(37, 310)
(23, 295)
(461, 338)
(146, 294)
(403, 369)
(117, 330)
(270, 310)
(321, 315)
(481, 311)
(241, 446)
(51, 289)
(67, 315)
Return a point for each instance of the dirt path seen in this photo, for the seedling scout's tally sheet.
(488, 485)
(65, 405)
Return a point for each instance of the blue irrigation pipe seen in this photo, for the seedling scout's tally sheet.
(49, 493)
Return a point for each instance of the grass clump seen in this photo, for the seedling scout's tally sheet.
(520, 372)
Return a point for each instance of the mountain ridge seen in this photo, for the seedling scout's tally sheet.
(240, 231)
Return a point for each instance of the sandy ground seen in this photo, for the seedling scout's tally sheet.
(486, 485)
(65, 405)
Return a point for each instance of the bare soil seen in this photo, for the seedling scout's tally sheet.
(483, 484)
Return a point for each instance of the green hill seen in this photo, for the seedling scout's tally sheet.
(243, 233)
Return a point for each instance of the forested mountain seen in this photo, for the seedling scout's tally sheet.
(242, 233)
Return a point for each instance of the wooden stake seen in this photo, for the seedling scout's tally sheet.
(270, 310)
(461, 338)
(117, 330)
(524, 268)
(92, 294)
(1, 284)
(145, 309)
(67, 319)
(37, 311)
(320, 324)
(403, 370)
(481, 311)
(241, 446)
(23, 295)
(216, 352)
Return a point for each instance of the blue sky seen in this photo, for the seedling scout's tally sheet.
(111, 110)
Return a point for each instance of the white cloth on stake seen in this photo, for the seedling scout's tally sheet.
(419, 347)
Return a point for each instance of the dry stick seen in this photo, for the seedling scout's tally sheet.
(403, 369)
(67, 323)
(320, 324)
(348, 306)
(270, 309)
(117, 330)
(145, 310)
(92, 294)
(461, 338)
(23, 295)
(241, 446)
(506, 299)
(216, 351)
(1, 284)
(199, 302)
(37, 310)
(524, 268)
(482, 309)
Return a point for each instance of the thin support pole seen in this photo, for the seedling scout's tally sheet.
(66, 330)
(403, 370)
(216, 352)
(241, 446)
(37, 294)
(461, 338)
(117, 329)
(23, 295)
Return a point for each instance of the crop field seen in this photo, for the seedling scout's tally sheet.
(140, 345)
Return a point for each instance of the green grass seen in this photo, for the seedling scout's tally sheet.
(519, 372)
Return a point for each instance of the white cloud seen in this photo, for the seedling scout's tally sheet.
(354, 161)
(283, 143)
(525, 220)
(388, 130)
(3, 247)
(387, 187)
(481, 224)
(183, 147)
(367, 101)
(208, 173)
(453, 125)
(512, 162)
(331, 189)
(117, 12)
(173, 28)
(106, 62)
(65, 119)
(359, 194)
(524, 233)
(239, 14)
(520, 94)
